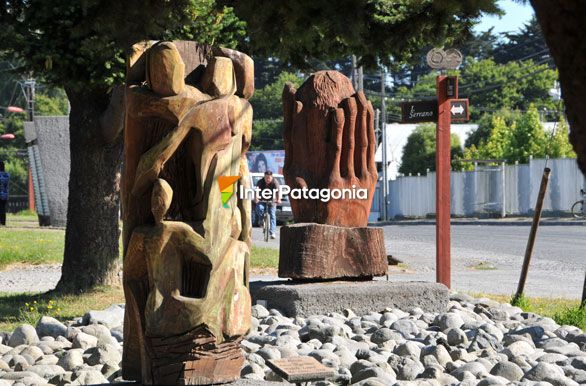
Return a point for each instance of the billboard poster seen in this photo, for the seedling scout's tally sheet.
(261, 161)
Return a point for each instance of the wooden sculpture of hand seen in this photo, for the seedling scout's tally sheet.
(329, 144)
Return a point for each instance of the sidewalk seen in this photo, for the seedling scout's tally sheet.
(519, 221)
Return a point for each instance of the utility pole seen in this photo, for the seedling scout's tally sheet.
(354, 77)
(383, 120)
(29, 90)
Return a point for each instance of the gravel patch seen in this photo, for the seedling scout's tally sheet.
(475, 342)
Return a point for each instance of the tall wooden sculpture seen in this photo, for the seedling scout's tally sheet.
(330, 144)
(186, 259)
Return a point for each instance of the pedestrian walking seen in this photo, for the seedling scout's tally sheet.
(4, 180)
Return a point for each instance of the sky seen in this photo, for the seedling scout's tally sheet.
(515, 16)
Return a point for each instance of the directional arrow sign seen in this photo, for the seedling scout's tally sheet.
(459, 110)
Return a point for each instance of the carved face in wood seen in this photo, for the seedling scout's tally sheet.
(186, 254)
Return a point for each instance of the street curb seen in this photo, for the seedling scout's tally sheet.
(484, 222)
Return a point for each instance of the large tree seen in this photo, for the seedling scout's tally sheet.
(562, 23)
(79, 46)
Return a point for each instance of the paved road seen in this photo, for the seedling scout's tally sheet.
(557, 268)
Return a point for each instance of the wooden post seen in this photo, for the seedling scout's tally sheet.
(31, 192)
(442, 201)
(533, 233)
(583, 303)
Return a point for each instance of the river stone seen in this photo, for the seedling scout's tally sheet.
(101, 332)
(408, 348)
(448, 320)
(104, 354)
(381, 335)
(47, 360)
(456, 336)
(88, 377)
(374, 372)
(47, 371)
(439, 353)
(84, 341)
(406, 327)
(71, 360)
(25, 334)
(544, 371)
(48, 326)
(33, 351)
(475, 368)
(507, 370)
(111, 317)
(409, 369)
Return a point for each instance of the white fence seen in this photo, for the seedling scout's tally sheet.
(488, 191)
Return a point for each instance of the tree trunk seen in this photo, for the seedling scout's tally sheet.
(92, 235)
(563, 23)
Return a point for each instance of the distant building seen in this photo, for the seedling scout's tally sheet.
(397, 134)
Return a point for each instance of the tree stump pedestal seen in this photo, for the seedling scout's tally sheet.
(310, 251)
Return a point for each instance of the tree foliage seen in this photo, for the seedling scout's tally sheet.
(377, 31)
(419, 151)
(268, 113)
(81, 44)
(514, 138)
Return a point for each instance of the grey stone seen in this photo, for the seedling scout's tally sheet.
(84, 341)
(362, 297)
(381, 335)
(71, 359)
(101, 332)
(48, 326)
(259, 311)
(34, 352)
(88, 377)
(475, 368)
(25, 334)
(456, 337)
(406, 327)
(374, 372)
(111, 317)
(507, 370)
(439, 353)
(47, 360)
(544, 372)
(104, 354)
(409, 369)
(46, 371)
(269, 352)
(408, 348)
(448, 320)
(519, 348)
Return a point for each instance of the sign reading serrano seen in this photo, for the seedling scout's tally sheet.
(426, 111)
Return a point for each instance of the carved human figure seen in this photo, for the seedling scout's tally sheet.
(329, 143)
(186, 255)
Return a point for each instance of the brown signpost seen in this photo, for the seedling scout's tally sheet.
(442, 198)
(446, 109)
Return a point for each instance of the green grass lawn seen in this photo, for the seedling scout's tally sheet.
(16, 309)
(31, 246)
(45, 246)
(563, 311)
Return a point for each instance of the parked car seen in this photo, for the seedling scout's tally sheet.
(284, 213)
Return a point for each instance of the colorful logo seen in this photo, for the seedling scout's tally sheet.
(227, 188)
